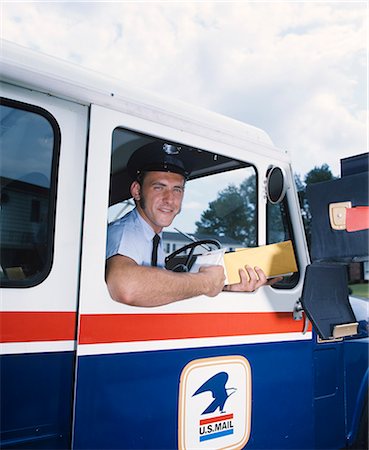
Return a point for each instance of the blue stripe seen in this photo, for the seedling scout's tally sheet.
(215, 435)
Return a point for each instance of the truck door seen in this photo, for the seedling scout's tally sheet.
(43, 144)
(134, 363)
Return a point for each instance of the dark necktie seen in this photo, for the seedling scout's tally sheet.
(154, 255)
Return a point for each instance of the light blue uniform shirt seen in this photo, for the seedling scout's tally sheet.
(132, 236)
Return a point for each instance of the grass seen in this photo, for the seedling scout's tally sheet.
(360, 289)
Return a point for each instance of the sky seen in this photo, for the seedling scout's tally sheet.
(296, 69)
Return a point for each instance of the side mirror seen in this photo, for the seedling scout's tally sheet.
(275, 185)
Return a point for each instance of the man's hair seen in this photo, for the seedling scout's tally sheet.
(140, 178)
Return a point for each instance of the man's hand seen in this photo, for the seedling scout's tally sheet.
(251, 279)
(214, 279)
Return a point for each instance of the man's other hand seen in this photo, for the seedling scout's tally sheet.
(251, 279)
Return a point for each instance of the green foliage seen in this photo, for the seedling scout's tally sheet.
(232, 213)
(319, 174)
(360, 290)
(316, 175)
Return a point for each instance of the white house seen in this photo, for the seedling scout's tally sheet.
(172, 241)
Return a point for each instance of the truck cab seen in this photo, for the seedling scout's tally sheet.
(82, 371)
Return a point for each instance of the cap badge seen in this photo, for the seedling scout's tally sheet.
(171, 149)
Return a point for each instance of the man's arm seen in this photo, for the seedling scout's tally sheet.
(137, 285)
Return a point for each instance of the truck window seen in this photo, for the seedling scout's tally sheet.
(219, 201)
(29, 151)
(221, 206)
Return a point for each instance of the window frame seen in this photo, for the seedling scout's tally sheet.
(295, 277)
(51, 215)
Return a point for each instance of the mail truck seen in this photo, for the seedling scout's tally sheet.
(82, 371)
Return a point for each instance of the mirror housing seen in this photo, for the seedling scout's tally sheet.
(276, 185)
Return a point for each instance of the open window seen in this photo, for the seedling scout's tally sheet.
(220, 199)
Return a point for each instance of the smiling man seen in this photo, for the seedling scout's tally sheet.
(135, 272)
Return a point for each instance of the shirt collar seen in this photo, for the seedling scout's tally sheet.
(148, 231)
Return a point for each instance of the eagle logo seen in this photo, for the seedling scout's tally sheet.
(217, 386)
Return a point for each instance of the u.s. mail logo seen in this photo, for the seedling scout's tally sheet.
(220, 425)
(215, 403)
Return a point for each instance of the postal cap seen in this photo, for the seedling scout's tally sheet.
(158, 156)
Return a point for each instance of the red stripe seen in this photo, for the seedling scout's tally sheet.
(216, 419)
(37, 326)
(110, 328)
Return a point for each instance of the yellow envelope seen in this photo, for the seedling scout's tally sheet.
(274, 259)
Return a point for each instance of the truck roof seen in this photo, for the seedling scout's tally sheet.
(34, 70)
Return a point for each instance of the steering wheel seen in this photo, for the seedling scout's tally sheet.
(184, 263)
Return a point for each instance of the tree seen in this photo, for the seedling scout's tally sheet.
(316, 175)
(319, 174)
(232, 213)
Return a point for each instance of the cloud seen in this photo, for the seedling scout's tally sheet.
(193, 205)
(296, 69)
(325, 123)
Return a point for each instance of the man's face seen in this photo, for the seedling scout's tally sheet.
(159, 199)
